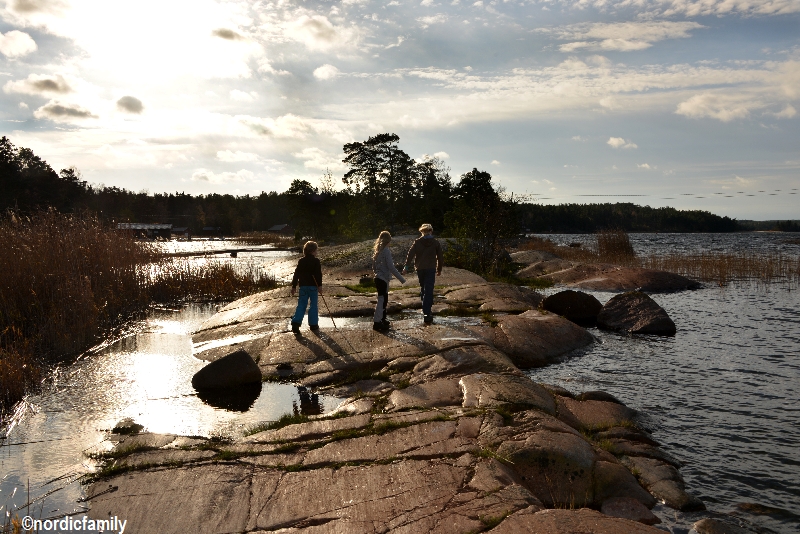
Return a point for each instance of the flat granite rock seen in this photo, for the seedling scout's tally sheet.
(491, 390)
(583, 521)
(496, 297)
(628, 508)
(444, 392)
(534, 339)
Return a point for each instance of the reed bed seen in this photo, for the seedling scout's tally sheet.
(265, 238)
(69, 280)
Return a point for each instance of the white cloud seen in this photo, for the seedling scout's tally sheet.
(205, 175)
(620, 36)
(441, 155)
(291, 126)
(37, 84)
(644, 166)
(721, 107)
(495, 162)
(63, 112)
(426, 3)
(694, 8)
(316, 158)
(23, 105)
(241, 96)
(578, 138)
(619, 142)
(232, 157)
(326, 72)
(16, 44)
(439, 18)
(786, 113)
(316, 32)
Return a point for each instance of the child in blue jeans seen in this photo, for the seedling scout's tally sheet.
(308, 275)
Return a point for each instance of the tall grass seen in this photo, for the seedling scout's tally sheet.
(67, 280)
(614, 246)
(265, 238)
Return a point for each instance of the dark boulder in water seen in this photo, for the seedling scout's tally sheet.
(235, 369)
(579, 307)
(635, 313)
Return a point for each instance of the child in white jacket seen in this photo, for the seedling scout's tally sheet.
(384, 268)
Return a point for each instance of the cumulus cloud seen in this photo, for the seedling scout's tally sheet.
(130, 104)
(292, 126)
(441, 155)
(326, 72)
(439, 18)
(15, 44)
(619, 142)
(722, 108)
(35, 6)
(495, 162)
(644, 166)
(620, 36)
(36, 84)
(695, 8)
(241, 96)
(786, 113)
(238, 156)
(225, 33)
(316, 158)
(57, 111)
(316, 32)
(205, 175)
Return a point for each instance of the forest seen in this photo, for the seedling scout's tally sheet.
(397, 191)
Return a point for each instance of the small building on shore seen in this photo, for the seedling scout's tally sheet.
(182, 231)
(147, 230)
(212, 231)
(284, 229)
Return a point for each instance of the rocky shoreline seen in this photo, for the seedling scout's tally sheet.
(441, 430)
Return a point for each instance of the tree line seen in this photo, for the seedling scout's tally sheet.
(383, 188)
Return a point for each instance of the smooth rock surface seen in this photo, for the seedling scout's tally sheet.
(607, 277)
(635, 313)
(533, 339)
(583, 521)
(715, 526)
(628, 508)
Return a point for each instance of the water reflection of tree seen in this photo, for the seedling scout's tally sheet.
(309, 403)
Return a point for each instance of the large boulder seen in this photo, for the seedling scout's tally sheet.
(579, 307)
(635, 313)
(608, 277)
(534, 339)
(235, 369)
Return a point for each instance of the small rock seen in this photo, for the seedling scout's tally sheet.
(635, 313)
(235, 369)
(127, 426)
(579, 307)
(715, 526)
(628, 508)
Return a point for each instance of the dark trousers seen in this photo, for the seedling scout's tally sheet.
(383, 300)
(427, 278)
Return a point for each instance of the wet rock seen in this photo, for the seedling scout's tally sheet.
(637, 448)
(362, 387)
(592, 414)
(663, 481)
(127, 426)
(558, 390)
(233, 370)
(628, 508)
(145, 440)
(445, 392)
(554, 466)
(170, 457)
(533, 339)
(308, 430)
(355, 406)
(715, 526)
(612, 480)
(598, 396)
(489, 390)
(626, 433)
(635, 313)
(577, 306)
(583, 521)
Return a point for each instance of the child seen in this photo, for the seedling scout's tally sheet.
(383, 267)
(309, 275)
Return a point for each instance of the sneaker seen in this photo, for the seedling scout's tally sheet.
(314, 327)
(296, 328)
(380, 327)
(428, 319)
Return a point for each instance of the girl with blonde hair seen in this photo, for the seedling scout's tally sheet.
(383, 267)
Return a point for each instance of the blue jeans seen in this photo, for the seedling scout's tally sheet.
(426, 277)
(307, 293)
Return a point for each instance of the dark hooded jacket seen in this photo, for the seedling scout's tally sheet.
(426, 253)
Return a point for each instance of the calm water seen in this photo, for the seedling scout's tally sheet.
(722, 395)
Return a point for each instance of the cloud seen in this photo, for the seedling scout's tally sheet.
(241, 96)
(326, 72)
(320, 160)
(57, 111)
(426, 3)
(619, 142)
(439, 18)
(225, 33)
(578, 138)
(694, 8)
(130, 104)
(23, 105)
(35, 6)
(292, 126)
(205, 175)
(786, 113)
(36, 84)
(238, 156)
(720, 107)
(495, 162)
(16, 44)
(644, 166)
(620, 36)
(441, 155)
(316, 32)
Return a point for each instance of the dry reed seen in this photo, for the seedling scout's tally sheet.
(68, 280)
(265, 238)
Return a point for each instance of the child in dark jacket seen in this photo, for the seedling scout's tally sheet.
(308, 275)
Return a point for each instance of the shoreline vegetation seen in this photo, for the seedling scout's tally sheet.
(68, 281)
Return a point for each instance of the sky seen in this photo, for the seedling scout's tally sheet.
(685, 103)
